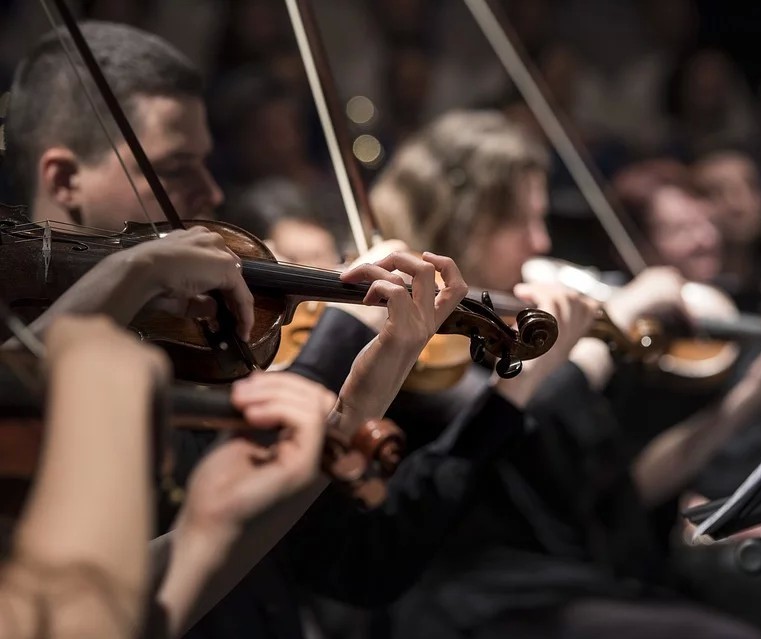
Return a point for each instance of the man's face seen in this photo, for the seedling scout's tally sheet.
(176, 139)
(731, 180)
(683, 235)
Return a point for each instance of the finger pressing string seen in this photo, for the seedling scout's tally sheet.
(370, 273)
(383, 290)
(423, 276)
(454, 289)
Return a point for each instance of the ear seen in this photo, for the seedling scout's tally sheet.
(58, 178)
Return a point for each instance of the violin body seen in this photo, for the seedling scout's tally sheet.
(359, 462)
(296, 334)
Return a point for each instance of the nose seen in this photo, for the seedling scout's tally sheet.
(708, 235)
(208, 197)
(215, 195)
(540, 241)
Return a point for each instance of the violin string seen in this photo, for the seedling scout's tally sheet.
(57, 225)
(277, 272)
(283, 273)
(89, 239)
(40, 237)
(98, 115)
(73, 225)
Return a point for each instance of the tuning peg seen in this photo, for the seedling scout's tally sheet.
(486, 300)
(507, 368)
(477, 348)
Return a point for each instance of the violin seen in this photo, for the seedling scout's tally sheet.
(701, 349)
(278, 289)
(360, 463)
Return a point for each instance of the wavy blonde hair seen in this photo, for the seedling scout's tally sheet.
(455, 181)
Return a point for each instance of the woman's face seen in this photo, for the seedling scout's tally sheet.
(496, 254)
(681, 230)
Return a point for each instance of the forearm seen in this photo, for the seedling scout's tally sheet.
(203, 570)
(118, 287)
(376, 377)
(93, 485)
(673, 458)
(93, 491)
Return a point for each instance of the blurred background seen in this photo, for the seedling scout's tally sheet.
(635, 78)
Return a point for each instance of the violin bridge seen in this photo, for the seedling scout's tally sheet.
(47, 250)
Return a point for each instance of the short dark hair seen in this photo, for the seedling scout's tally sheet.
(49, 107)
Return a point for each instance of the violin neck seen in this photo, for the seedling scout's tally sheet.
(504, 304)
(745, 327)
(301, 283)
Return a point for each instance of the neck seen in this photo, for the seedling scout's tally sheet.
(43, 208)
(301, 282)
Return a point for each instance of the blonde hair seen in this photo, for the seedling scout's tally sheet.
(454, 179)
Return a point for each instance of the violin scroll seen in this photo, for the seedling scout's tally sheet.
(362, 464)
(536, 329)
(536, 333)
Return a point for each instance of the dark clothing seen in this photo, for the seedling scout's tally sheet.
(368, 557)
(556, 518)
(591, 618)
(557, 545)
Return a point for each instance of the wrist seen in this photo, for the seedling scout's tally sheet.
(376, 376)
(203, 544)
(141, 274)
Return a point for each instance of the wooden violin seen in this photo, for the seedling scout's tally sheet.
(360, 463)
(277, 289)
(698, 348)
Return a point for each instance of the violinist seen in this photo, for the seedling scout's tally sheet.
(559, 541)
(71, 176)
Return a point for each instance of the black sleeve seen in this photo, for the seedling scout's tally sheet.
(566, 398)
(370, 558)
(335, 342)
